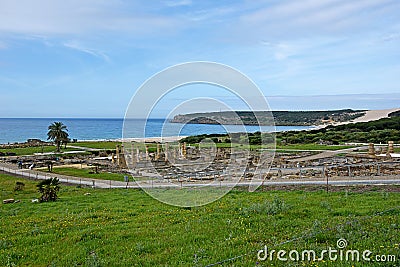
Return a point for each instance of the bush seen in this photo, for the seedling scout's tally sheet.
(19, 186)
(271, 208)
(49, 189)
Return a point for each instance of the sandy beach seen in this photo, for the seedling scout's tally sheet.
(370, 115)
(373, 115)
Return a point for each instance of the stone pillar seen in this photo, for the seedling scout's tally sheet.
(132, 160)
(184, 150)
(166, 152)
(158, 151)
(112, 158)
(137, 155)
(371, 149)
(147, 152)
(390, 147)
(117, 153)
(121, 157)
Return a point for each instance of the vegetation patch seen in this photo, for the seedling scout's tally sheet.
(281, 118)
(382, 130)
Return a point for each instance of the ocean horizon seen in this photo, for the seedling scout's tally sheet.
(14, 130)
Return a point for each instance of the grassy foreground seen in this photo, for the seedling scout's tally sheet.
(129, 228)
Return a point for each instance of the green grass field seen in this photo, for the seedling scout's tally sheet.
(98, 144)
(32, 150)
(86, 173)
(129, 228)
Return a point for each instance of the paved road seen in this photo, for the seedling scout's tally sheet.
(98, 183)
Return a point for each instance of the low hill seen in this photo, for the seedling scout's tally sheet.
(281, 118)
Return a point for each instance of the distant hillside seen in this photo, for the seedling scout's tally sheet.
(379, 131)
(281, 118)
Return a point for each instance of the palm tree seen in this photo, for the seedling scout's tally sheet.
(49, 189)
(57, 133)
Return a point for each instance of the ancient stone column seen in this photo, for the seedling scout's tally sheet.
(137, 155)
(390, 147)
(184, 150)
(166, 152)
(117, 153)
(158, 151)
(121, 157)
(371, 149)
(132, 160)
(147, 152)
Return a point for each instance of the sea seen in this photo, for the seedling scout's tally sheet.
(14, 130)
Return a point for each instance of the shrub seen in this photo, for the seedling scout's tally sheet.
(19, 186)
(271, 208)
(49, 189)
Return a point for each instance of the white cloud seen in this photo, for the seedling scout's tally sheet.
(213, 14)
(302, 19)
(3, 45)
(46, 17)
(175, 3)
(391, 37)
(93, 52)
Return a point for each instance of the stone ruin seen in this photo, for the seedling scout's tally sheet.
(178, 161)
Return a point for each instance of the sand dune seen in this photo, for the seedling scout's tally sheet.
(371, 115)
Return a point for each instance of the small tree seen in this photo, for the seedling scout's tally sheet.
(49, 189)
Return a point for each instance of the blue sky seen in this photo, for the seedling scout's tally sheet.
(87, 58)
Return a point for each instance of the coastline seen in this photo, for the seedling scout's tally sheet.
(93, 130)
